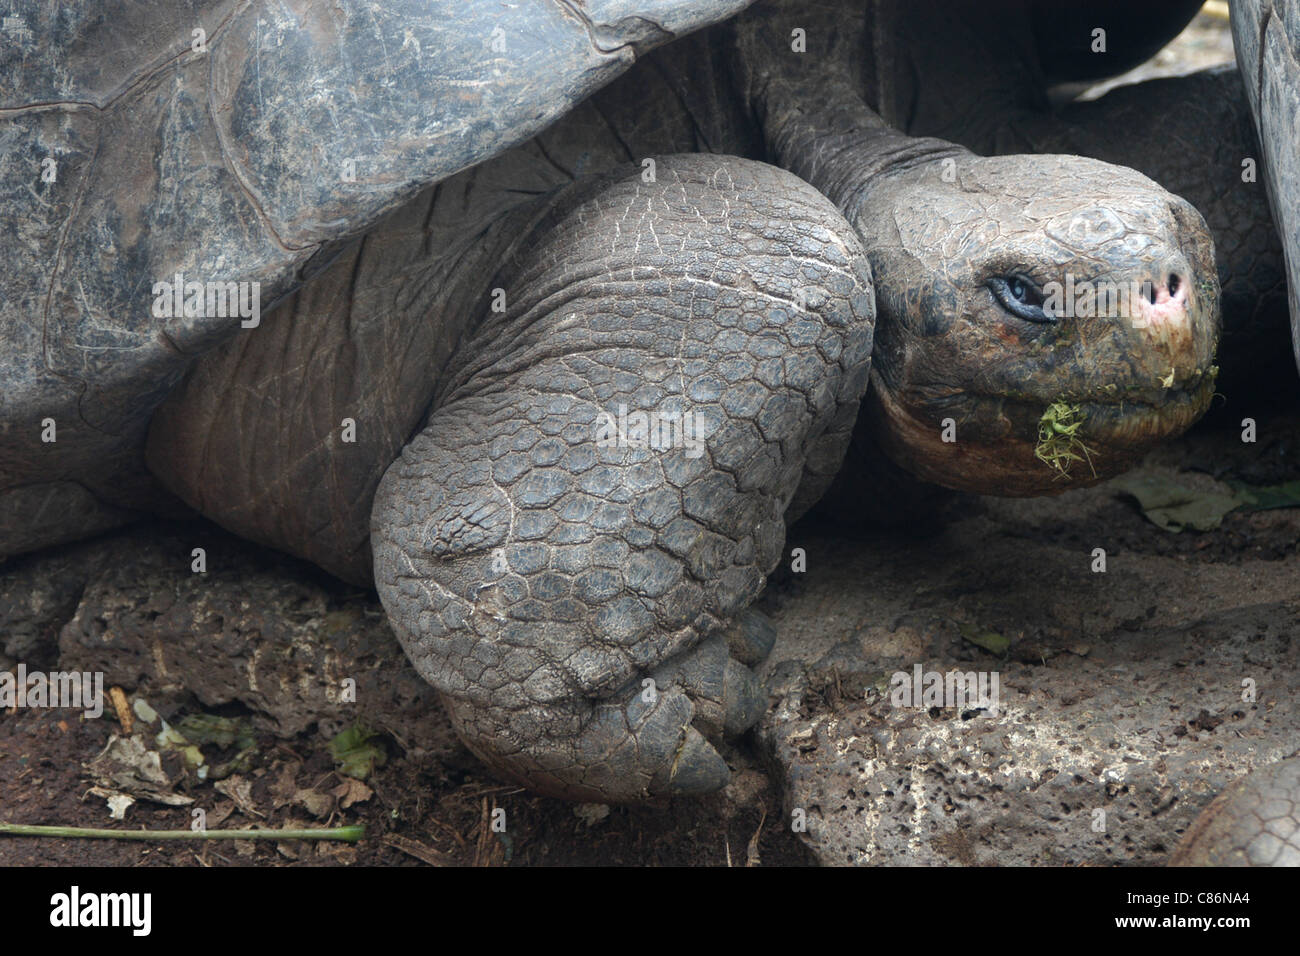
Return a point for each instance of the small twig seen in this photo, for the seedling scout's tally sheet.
(752, 857)
(452, 830)
(418, 850)
(122, 708)
(484, 834)
(350, 833)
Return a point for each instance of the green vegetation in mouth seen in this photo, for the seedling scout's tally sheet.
(1059, 445)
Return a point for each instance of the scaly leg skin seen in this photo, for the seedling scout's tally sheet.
(581, 604)
(1254, 822)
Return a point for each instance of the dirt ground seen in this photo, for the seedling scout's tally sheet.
(422, 807)
(420, 813)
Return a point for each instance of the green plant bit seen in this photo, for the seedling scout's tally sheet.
(1059, 445)
(351, 834)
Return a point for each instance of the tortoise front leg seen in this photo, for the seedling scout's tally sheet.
(565, 582)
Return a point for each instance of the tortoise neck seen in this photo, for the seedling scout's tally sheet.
(832, 140)
(843, 148)
(812, 103)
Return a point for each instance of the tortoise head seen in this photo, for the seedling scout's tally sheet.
(1042, 321)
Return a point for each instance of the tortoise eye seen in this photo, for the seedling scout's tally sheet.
(1021, 297)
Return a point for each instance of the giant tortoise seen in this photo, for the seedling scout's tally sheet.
(1266, 37)
(417, 293)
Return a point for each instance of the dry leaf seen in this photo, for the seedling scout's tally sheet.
(351, 791)
(240, 790)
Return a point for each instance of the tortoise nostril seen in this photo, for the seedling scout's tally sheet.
(1174, 283)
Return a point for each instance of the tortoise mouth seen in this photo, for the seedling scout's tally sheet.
(1174, 395)
(1024, 446)
(1081, 443)
(1141, 418)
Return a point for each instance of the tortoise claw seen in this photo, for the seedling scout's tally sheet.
(751, 637)
(698, 769)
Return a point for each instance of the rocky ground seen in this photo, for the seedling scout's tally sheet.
(1206, 42)
(1128, 697)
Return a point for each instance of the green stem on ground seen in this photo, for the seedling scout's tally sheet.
(350, 833)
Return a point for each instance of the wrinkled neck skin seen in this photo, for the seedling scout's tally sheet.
(846, 151)
(821, 130)
(818, 125)
(811, 106)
